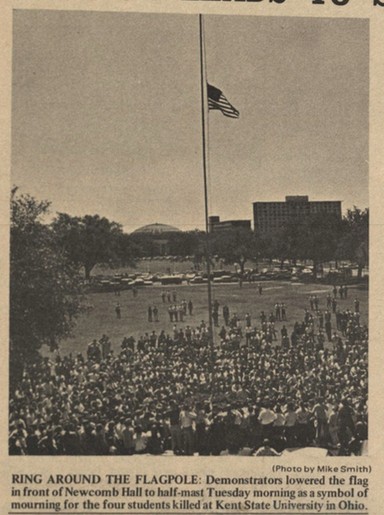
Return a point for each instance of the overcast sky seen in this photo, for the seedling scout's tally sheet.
(106, 113)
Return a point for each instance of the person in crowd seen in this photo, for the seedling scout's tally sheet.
(321, 422)
(155, 441)
(175, 429)
(267, 418)
(266, 449)
(303, 418)
(333, 425)
(187, 418)
(290, 425)
(140, 441)
(226, 315)
(346, 426)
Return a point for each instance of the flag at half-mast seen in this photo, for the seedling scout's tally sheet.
(216, 100)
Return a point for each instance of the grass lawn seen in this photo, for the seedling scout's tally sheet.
(102, 318)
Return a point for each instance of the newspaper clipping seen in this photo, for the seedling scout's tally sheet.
(191, 266)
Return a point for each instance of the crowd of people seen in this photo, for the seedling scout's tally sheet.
(255, 391)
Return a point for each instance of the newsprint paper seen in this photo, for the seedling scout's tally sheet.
(185, 264)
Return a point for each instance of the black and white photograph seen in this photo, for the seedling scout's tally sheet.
(189, 254)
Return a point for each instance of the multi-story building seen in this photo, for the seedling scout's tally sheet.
(269, 216)
(215, 224)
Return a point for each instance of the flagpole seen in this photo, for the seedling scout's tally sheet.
(204, 123)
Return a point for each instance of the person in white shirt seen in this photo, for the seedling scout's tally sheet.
(266, 450)
(139, 441)
(290, 425)
(266, 419)
(279, 422)
(187, 418)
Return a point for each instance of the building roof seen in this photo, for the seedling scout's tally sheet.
(156, 229)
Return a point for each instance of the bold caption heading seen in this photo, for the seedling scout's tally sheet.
(375, 3)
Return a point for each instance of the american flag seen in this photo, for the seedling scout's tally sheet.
(216, 100)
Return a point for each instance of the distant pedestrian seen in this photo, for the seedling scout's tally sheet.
(149, 314)
(328, 330)
(321, 319)
(260, 289)
(105, 346)
(283, 312)
(226, 314)
(118, 311)
(277, 311)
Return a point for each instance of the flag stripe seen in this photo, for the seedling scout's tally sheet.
(224, 107)
(228, 111)
(217, 101)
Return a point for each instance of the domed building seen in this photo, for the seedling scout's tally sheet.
(159, 237)
(156, 229)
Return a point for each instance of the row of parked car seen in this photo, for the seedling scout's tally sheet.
(137, 280)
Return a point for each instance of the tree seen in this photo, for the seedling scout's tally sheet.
(235, 245)
(145, 244)
(92, 240)
(283, 243)
(354, 244)
(44, 285)
(319, 238)
(127, 251)
(184, 243)
(314, 237)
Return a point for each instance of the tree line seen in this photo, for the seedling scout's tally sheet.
(92, 240)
